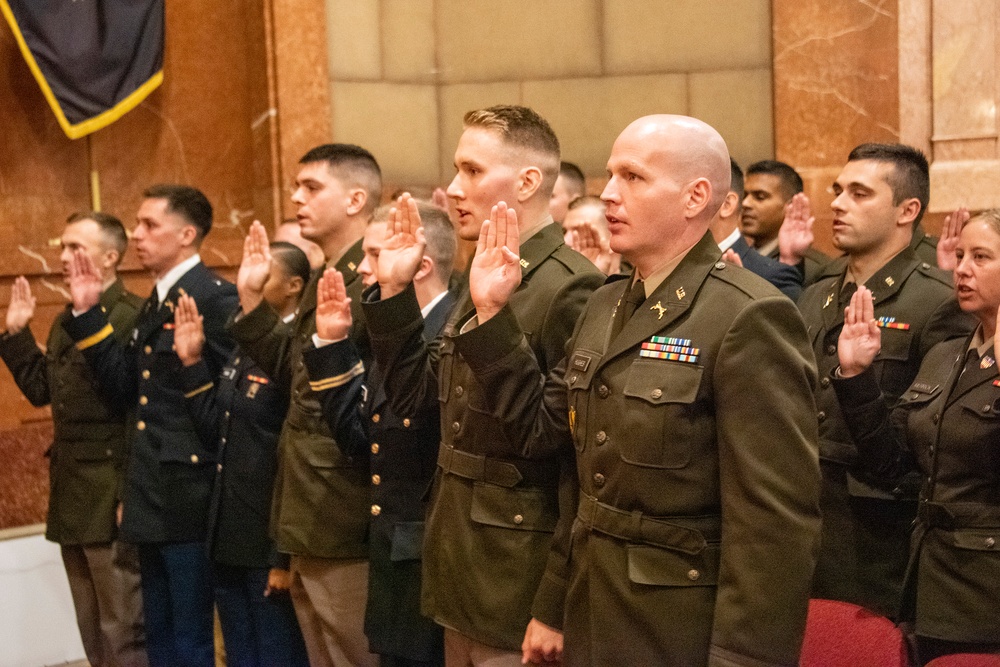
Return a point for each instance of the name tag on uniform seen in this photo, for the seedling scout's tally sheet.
(925, 388)
(581, 362)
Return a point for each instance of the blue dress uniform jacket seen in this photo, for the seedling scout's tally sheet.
(88, 454)
(492, 510)
(811, 268)
(239, 412)
(168, 483)
(315, 478)
(786, 278)
(402, 450)
(694, 432)
(949, 423)
(918, 310)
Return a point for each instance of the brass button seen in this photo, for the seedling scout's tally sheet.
(825, 382)
(227, 414)
(603, 391)
(831, 350)
(986, 408)
(821, 416)
(194, 458)
(656, 393)
(219, 467)
(989, 542)
(375, 417)
(518, 519)
(145, 374)
(694, 575)
(223, 439)
(376, 510)
(456, 427)
(459, 391)
(376, 480)
(572, 380)
(143, 400)
(107, 452)
(601, 437)
(374, 448)
(141, 425)
(236, 361)
(598, 479)
(147, 350)
(406, 422)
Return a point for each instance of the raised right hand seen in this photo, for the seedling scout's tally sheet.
(951, 230)
(333, 306)
(403, 248)
(189, 332)
(586, 240)
(85, 282)
(860, 339)
(22, 306)
(796, 232)
(255, 267)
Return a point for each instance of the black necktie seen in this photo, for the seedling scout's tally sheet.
(846, 292)
(630, 301)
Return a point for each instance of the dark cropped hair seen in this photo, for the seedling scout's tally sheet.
(910, 176)
(791, 182)
(575, 180)
(736, 178)
(111, 228)
(292, 259)
(586, 200)
(187, 202)
(352, 165)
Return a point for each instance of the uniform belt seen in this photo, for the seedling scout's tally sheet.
(953, 516)
(478, 467)
(636, 527)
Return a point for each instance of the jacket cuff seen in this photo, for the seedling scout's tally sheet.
(248, 328)
(486, 344)
(855, 392)
(385, 317)
(332, 365)
(16, 346)
(196, 379)
(89, 328)
(548, 605)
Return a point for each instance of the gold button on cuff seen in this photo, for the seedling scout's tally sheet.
(375, 417)
(376, 480)
(194, 458)
(989, 542)
(459, 391)
(141, 425)
(374, 448)
(406, 422)
(145, 374)
(376, 510)
(143, 400)
(601, 437)
(694, 575)
(518, 519)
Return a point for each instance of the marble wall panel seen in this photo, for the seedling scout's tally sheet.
(354, 37)
(589, 114)
(645, 36)
(835, 77)
(517, 39)
(457, 99)
(408, 41)
(397, 122)
(737, 103)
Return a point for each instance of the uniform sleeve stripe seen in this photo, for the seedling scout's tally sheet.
(338, 380)
(91, 341)
(199, 390)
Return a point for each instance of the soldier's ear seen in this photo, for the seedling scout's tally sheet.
(529, 182)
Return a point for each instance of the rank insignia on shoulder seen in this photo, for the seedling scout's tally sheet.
(525, 263)
(658, 307)
(352, 266)
(889, 281)
(680, 293)
(670, 349)
(987, 362)
(891, 323)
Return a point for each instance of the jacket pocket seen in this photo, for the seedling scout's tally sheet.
(978, 539)
(515, 508)
(580, 371)
(656, 432)
(407, 541)
(656, 566)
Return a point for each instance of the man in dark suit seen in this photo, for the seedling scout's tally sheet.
(725, 230)
(880, 194)
(492, 510)
(87, 458)
(168, 483)
(770, 186)
(687, 398)
(402, 448)
(338, 187)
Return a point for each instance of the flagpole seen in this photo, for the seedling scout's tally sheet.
(95, 178)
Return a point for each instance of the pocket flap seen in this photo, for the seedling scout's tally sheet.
(184, 447)
(977, 540)
(656, 566)
(517, 508)
(656, 381)
(895, 344)
(407, 540)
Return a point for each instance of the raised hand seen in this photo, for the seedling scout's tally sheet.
(255, 267)
(860, 339)
(796, 233)
(496, 269)
(951, 230)
(189, 334)
(542, 644)
(403, 249)
(733, 258)
(333, 306)
(22, 305)
(586, 240)
(85, 282)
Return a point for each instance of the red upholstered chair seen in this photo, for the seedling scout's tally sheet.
(966, 660)
(839, 634)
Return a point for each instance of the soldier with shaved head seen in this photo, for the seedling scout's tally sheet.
(687, 398)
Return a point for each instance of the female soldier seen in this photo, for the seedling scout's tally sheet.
(948, 421)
